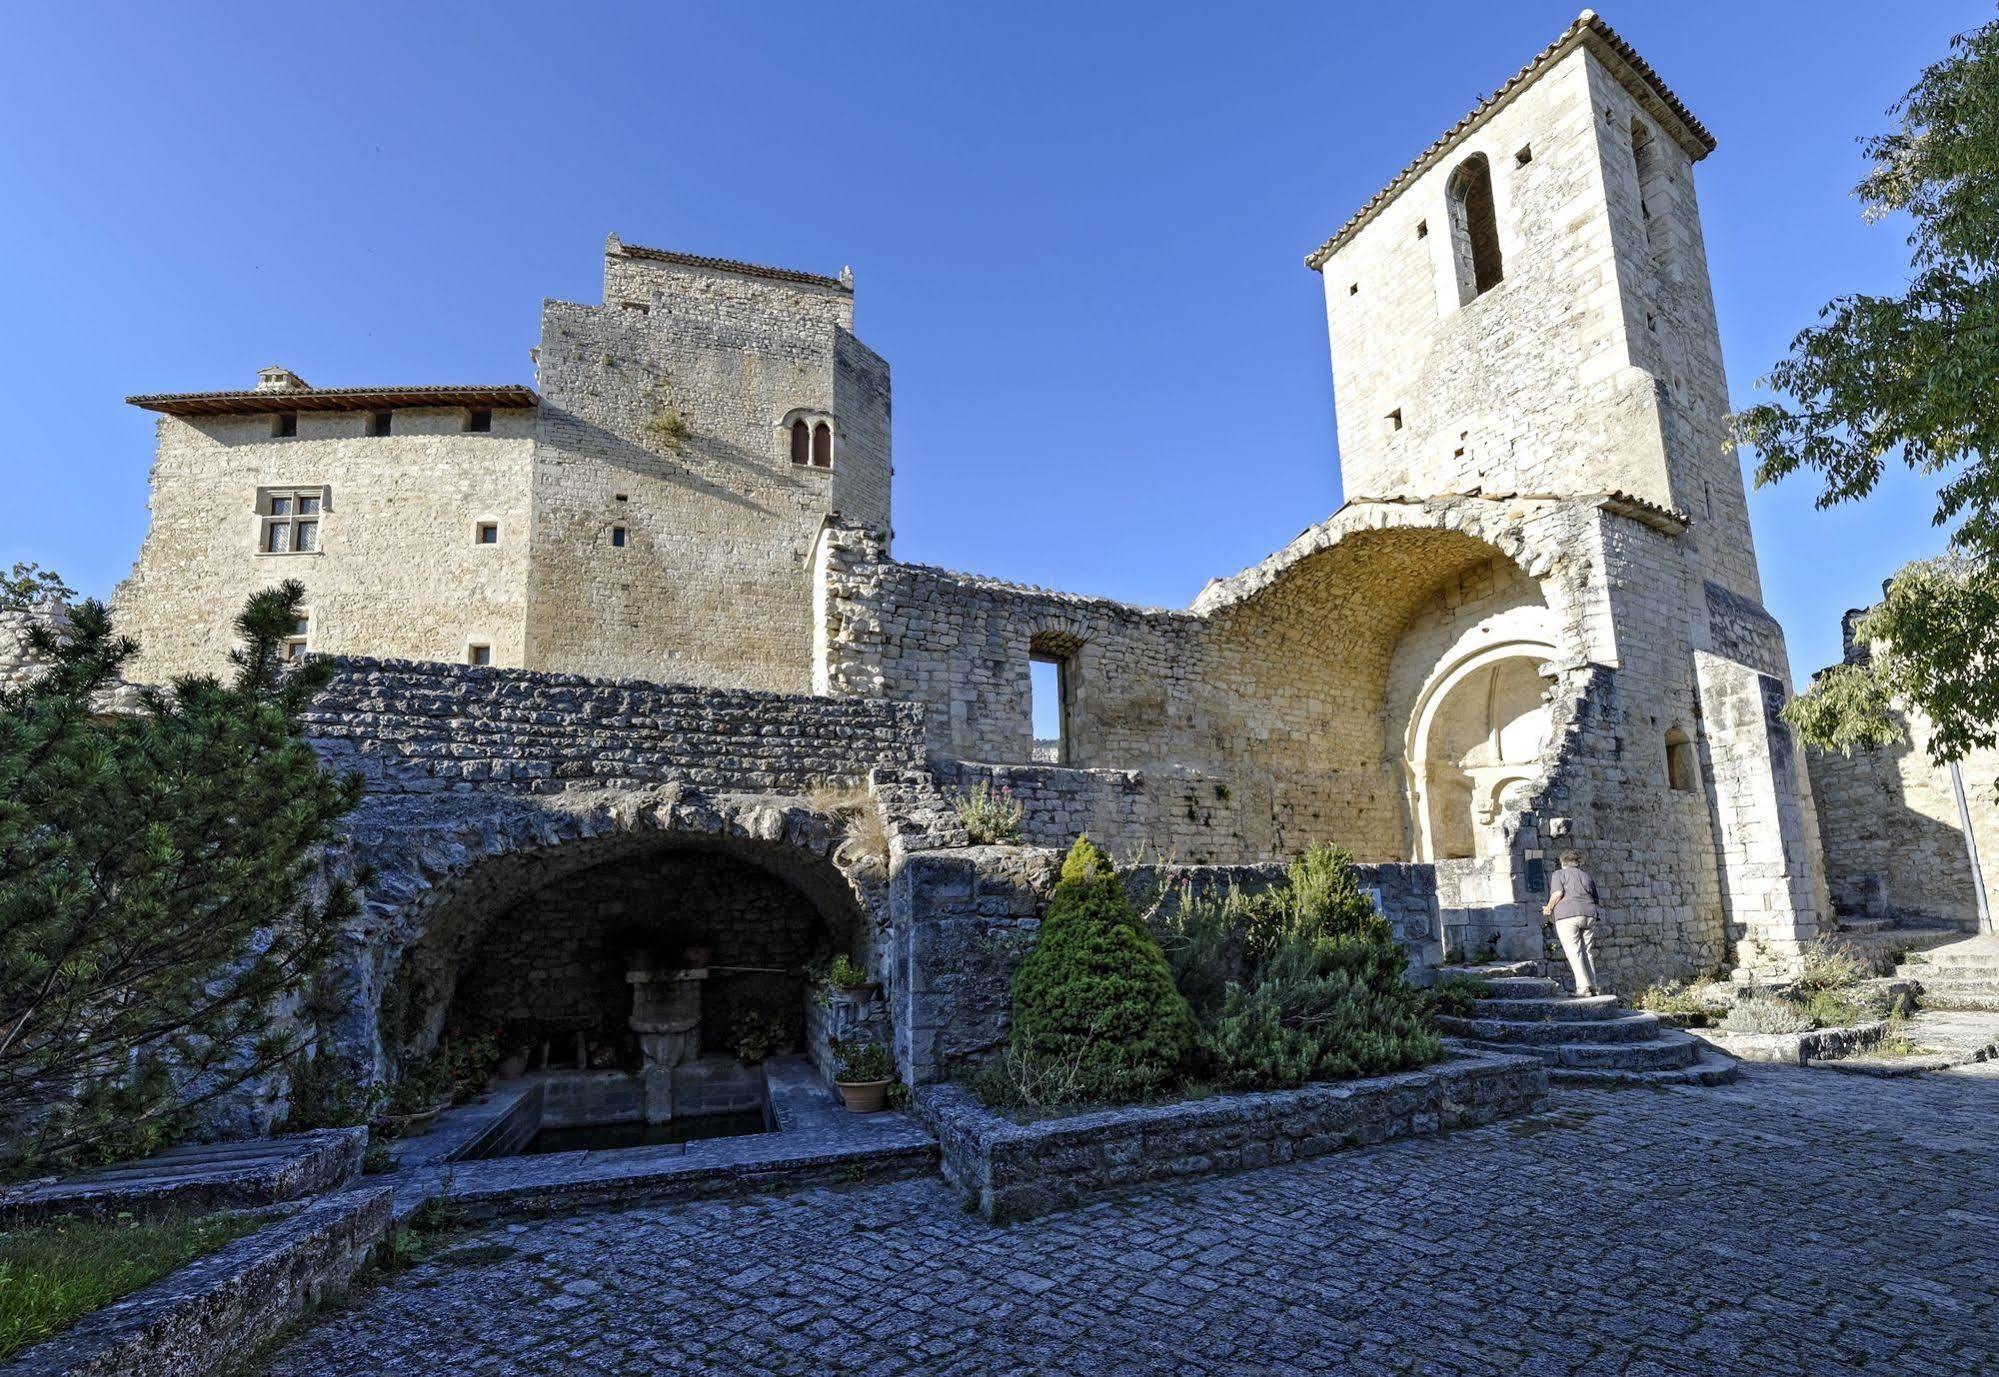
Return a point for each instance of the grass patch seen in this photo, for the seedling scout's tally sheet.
(54, 1274)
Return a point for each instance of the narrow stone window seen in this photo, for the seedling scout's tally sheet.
(290, 520)
(1422, 229)
(801, 443)
(1394, 420)
(822, 446)
(284, 425)
(380, 422)
(1474, 229)
(1681, 773)
(489, 533)
(479, 421)
(1524, 156)
(1353, 289)
(1051, 684)
(478, 655)
(618, 537)
(293, 646)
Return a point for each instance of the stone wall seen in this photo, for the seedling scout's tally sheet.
(414, 728)
(710, 585)
(399, 569)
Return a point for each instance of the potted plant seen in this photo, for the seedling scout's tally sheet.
(863, 1075)
(420, 1094)
(848, 980)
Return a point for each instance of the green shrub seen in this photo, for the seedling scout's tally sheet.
(1825, 966)
(990, 815)
(1302, 982)
(846, 973)
(756, 1035)
(1096, 993)
(1454, 995)
(1761, 1013)
(323, 1095)
(1843, 1009)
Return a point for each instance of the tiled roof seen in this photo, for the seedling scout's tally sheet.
(1588, 29)
(265, 400)
(728, 265)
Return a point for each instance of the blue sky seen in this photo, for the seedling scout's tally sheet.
(1077, 232)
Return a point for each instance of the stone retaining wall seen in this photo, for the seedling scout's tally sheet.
(212, 1313)
(412, 727)
(1014, 1170)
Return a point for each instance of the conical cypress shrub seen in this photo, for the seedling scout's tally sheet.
(1095, 996)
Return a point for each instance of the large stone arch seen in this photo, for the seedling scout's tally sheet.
(440, 872)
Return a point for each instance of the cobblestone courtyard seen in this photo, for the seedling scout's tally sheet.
(1800, 1221)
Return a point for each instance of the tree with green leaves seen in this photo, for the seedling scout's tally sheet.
(1913, 377)
(158, 890)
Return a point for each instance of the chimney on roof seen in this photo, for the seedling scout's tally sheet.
(276, 379)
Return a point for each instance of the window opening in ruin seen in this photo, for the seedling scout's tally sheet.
(284, 425)
(1681, 774)
(479, 421)
(379, 422)
(1474, 228)
(1422, 229)
(618, 537)
(489, 533)
(1394, 419)
(294, 645)
(822, 446)
(1051, 682)
(1524, 156)
(479, 655)
(291, 520)
(1353, 289)
(801, 443)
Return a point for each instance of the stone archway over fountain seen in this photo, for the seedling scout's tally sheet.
(535, 896)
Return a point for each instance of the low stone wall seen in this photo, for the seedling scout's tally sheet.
(196, 1176)
(212, 1313)
(961, 922)
(419, 727)
(1795, 1049)
(1013, 1170)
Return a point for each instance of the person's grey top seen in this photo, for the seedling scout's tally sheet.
(1577, 891)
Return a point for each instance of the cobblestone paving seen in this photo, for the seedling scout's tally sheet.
(1796, 1222)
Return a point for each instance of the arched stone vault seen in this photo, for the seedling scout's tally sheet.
(441, 869)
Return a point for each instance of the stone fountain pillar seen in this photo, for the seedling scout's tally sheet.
(666, 1014)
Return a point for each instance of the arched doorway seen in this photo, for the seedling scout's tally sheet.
(1476, 740)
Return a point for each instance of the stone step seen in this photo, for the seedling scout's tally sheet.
(1709, 1068)
(1492, 970)
(1624, 1027)
(1545, 1009)
(1983, 987)
(1523, 987)
(1667, 1052)
(1979, 952)
(1987, 969)
(1951, 997)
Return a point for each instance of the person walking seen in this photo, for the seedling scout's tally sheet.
(1572, 904)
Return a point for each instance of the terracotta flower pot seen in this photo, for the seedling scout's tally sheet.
(863, 1097)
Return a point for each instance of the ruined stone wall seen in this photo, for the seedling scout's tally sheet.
(399, 570)
(1191, 817)
(558, 957)
(664, 417)
(426, 728)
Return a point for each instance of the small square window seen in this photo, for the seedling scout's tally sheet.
(1353, 289)
(618, 537)
(290, 520)
(479, 655)
(284, 425)
(1422, 229)
(1394, 419)
(479, 421)
(380, 422)
(293, 645)
(622, 498)
(489, 533)
(1524, 156)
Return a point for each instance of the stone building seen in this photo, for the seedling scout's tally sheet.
(1535, 623)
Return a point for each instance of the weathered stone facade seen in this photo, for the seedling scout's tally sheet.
(1535, 624)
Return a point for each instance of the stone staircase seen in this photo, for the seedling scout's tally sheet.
(1963, 975)
(1590, 1040)
(1882, 942)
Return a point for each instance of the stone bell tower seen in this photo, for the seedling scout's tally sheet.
(1526, 307)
